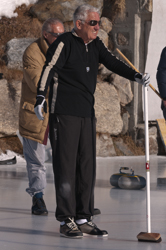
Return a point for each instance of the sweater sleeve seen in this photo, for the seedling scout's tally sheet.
(161, 74)
(55, 59)
(112, 63)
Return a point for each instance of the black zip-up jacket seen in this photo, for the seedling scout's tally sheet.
(161, 74)
(76, 65)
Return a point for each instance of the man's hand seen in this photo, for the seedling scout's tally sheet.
(143, 79)
(40, 104)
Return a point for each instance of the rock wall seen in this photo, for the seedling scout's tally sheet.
(130, 34)
(62, 9)
(9, 106)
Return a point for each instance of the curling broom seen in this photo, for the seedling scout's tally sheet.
(146, 236)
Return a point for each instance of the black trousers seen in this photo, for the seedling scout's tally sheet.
(73, 142)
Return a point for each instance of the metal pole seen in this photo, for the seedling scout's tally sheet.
(148, 212)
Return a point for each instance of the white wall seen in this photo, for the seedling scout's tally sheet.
(157, 41)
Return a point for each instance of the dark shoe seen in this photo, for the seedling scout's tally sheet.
(96, 211)
(90, 229)
(39, 207)
(9, 161)
(70, 229)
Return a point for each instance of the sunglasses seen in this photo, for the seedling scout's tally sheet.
(55, 34)
(93, 22)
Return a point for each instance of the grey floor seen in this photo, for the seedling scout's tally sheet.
(123, 212)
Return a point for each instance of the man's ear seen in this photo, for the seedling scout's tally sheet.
(78, 24)
(45, 34)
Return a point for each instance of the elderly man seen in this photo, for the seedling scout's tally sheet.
(34, 132)
(75, 56)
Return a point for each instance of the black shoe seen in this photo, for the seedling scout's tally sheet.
(39, 207)
(90, 229)
(70, 229)
(96, 211)
(9, 161)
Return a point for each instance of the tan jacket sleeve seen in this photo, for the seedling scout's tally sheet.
(32, 67)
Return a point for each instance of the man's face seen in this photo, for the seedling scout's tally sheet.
(51, 36)
(88, 32)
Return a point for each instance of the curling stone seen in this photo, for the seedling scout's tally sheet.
(127, 180)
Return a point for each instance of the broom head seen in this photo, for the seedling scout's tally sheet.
(149, 237)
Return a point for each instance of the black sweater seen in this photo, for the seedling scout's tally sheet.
(76, 64)
(161, 74)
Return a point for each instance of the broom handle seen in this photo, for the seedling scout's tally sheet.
(148, 212)
(136, 70)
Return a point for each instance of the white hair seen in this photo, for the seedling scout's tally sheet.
(47, 24)
(82, 11)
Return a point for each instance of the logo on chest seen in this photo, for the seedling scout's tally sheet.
(87, 69)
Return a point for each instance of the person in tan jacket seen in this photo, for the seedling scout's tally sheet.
(34, 131)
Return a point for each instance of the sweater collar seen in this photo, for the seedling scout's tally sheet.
(75, 34)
